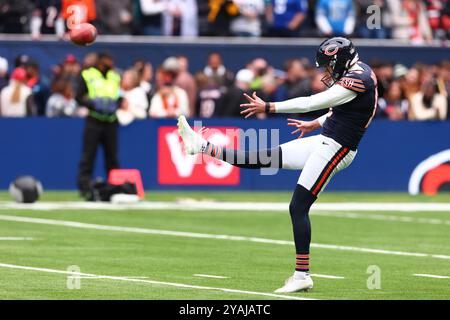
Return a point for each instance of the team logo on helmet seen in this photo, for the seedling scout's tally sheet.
(331, 49)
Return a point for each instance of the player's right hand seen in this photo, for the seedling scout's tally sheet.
(255, 105)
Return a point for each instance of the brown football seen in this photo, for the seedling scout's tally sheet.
(83, 34)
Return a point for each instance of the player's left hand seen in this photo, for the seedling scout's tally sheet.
(255, 105)
(303, 126)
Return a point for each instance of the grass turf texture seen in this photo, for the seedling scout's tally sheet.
(249, 266)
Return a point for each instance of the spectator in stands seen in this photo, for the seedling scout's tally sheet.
(248, 22)
(408, 21)
(260, 68)
(393, 105)
(420, 30)
(70, 71)
(220, 15)
(114, 16)
(436, 17)
(169, 100)
(203, 23)
(134, 104)
(428, 103)
(217, 71)
(208, 97)
(149, 13)
(397, 20)
(145, 73)
(443, 77)
(15, 15)
(47, 19)
(39, 84)
(181, 18)
(16, 99)
(185, 80)
(229, 105)
(89, 60)
(62, 100)
(285, 17)
(384, 72)
(297, 83)
(3, 72)
(411, 82)
(335, 17)
(98, 90)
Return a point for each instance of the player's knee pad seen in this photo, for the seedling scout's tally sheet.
(301, 201)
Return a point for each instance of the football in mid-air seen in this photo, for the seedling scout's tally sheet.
(83, 34)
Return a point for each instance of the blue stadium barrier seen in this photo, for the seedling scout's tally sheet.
(235, 54)
(49, 149)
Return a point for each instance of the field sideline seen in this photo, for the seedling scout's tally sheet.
(226, 253)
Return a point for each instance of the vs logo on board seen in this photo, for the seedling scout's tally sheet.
(175, 167)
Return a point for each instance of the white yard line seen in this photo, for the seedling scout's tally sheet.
(102, 277)
(209, 276)
(172, 284)
(16, 238)
(325, 276)
(229, 206)
(81, 225)
(430, 276)
(380, 217)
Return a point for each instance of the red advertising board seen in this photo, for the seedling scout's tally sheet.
(175, 167)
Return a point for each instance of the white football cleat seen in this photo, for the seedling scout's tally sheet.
(295, 283)
(193, 142)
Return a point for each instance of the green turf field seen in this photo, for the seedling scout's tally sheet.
(160, 253)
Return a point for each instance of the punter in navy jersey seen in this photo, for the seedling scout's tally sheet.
(351, 98)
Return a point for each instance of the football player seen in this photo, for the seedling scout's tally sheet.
(352, 99)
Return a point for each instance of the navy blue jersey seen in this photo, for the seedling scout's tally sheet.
(349, 121)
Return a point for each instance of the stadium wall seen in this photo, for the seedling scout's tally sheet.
(49, 149)
(236, 53)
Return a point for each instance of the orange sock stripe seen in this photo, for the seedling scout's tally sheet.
(302, 267)
(302, 256)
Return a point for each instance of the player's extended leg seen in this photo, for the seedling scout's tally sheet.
(291, 155)
(326, 160)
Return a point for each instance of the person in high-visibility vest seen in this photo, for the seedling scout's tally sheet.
(99, 91)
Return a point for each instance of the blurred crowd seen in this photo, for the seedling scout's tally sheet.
(170, 89)
(418, 21)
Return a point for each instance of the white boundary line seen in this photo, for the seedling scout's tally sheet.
(228, 206)
(16, 238)
(209, 276)
(172, 284)
(430, 276)
(81, 225)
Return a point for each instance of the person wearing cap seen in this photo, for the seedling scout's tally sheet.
(16, 99)
(229, 105)
(169, 101)
(70, 70)
(99, 91)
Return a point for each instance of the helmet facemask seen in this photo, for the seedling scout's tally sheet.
(328, 79)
